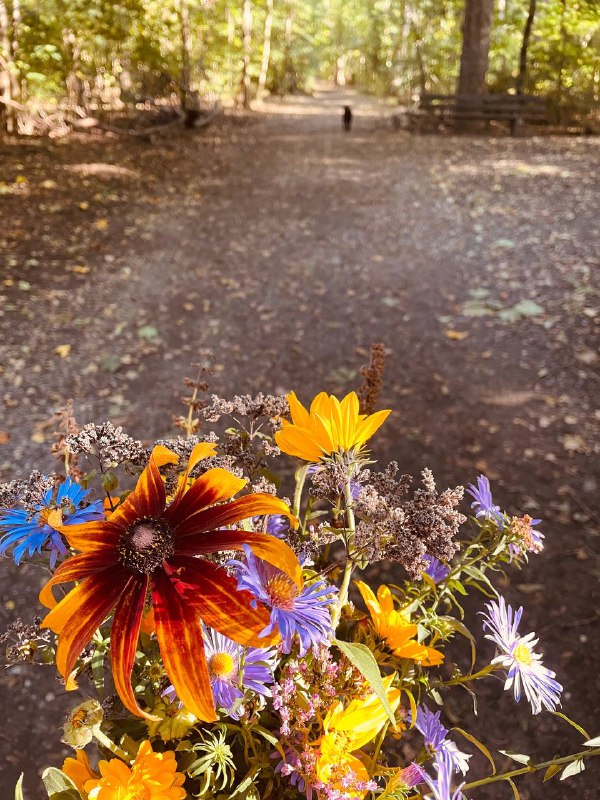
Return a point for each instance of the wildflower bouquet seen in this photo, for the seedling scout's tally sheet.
(230, 644)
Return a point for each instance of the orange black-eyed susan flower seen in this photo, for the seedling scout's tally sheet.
(329, 426)
(150, 545)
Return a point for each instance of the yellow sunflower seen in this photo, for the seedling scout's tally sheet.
(152, 776)
(330, 426)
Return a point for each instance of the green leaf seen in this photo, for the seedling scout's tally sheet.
(595, 742)
(520, 758)
(574, 768)
(459, 627)
(581, 730)
(58, 786)
(551, 771)
(363, 659)
(469, 737)
(19, 789)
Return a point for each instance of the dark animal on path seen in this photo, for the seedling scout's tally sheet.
(347, 118)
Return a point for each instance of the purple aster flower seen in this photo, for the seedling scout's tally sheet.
(409, 777)
(428, 723)
(29, 532)
(441, 785)
(436, 569)
(233, 668)
(304, 612)
(291, 769)
(524, 670)
(278, 525)
(483, 504)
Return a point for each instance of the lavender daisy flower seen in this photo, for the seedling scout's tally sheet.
(233, 668)
(483, 503)
(441, 785)
(436, 569)
(407, 778)
(278, 525)
(304, 612)
(27, 531)
(428, 723)
(524, 670)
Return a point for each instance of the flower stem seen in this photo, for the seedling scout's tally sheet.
(300, 478)
(348, 569)
(103, 739)
(532, 768)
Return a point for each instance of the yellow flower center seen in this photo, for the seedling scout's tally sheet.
(221, 665)
(282, 592)
(522, 654)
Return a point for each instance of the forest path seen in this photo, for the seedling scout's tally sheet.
(287, 246)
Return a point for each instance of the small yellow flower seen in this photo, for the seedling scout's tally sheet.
(152, 776)
(395, 627)
(346, 730)
(174, 721)
(330, 426)
(78, 769)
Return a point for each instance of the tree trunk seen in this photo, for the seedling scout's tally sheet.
(264, 67)
(289, 80)
(247, 39)
(8, 113)
(476, 33)
(186, 46)
(520, 82)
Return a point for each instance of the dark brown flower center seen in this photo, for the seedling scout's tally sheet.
(145, 544)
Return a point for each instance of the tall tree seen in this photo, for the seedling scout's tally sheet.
(247, 44)
(476, 34)
(7, 71)
(266, 54)
(520, 82)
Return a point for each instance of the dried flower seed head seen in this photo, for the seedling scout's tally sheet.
(109, 444)
(373, 379)
(81, 723)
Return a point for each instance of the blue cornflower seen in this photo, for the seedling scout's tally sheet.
(304, 612)
(233, 668)
(436, 569)
(441, 785)
(524, 670)
(434, 733)
(29, 532)
(483, 504)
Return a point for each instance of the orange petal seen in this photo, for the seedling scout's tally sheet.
(263, 545)
(250, 505)
(298, 442)
(91, 537)
(124, 638)
(201, 451)
(148, 625)
(81, 613)
(75, 568)
(146, 500)
(218, 601)
(215, 486)
(180, 640)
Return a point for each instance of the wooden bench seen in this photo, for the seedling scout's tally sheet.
(516, 109)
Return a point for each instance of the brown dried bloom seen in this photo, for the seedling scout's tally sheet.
(404, 530)
(110, 445)
(373, 379)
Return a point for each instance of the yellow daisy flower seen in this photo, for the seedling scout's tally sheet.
(395, 627)
(346, 730)
(152, 776)
(330, 426)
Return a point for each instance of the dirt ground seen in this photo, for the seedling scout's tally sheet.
(287, 246)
